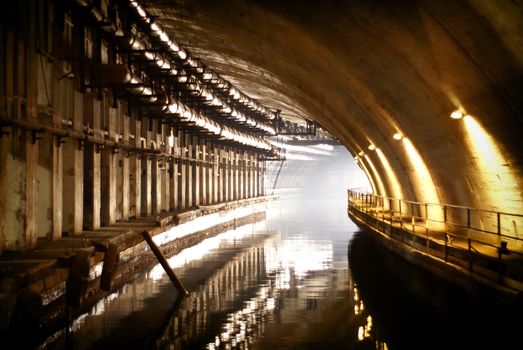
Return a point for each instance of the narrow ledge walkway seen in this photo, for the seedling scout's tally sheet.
(452, 256)
(34, 283)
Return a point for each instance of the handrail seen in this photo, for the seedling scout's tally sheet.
(456, 229)
(450, 215)
(436, 204)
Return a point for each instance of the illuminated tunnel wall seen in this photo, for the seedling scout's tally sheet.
(368, 70)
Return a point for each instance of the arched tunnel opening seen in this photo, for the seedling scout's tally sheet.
(317, 175)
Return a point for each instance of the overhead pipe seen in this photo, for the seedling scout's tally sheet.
(219, 83)
(187, 114)
(195, 87)
(138, 88)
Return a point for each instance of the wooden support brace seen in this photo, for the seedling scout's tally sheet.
(163, 261)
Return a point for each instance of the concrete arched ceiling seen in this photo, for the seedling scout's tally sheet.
(368, 69)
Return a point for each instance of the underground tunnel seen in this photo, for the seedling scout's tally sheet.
(261, 174)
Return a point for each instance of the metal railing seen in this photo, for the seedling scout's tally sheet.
(486, 242)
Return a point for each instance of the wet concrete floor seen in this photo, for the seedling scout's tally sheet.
(305, 278)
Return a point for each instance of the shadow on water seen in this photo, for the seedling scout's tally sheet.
(413, 309)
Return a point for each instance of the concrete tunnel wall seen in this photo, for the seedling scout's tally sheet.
(368, 69)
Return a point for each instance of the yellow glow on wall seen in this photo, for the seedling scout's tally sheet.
(422, 180)
(376, 176)
(501, 186)
(393, 180)
(369, 176)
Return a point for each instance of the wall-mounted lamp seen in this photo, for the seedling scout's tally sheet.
(456, 114)
(397, 136)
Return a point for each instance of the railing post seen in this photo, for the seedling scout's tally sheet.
(401, 216)
(446, 247)
(470, 254)
(412, 215)
(445, 218)
(427, 218)
(383, 213)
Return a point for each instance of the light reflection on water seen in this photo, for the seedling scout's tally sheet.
(283, 282)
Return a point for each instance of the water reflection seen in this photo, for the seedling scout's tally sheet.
(407, 308)
(268, 285)
(286, 283)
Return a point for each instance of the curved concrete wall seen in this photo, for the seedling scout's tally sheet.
(368, 69)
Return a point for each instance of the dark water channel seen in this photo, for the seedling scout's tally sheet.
(305, 278)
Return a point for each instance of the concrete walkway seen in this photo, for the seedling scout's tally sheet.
(39, 277)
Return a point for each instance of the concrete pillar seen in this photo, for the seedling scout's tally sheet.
(248, 192)
(135, 171)
(211, 177)
(196, 172)
(252, 175)
(125, 171)
(44, 183)
(31, 156)
(236, 176)
(241, 174)
(108, 183)
(204, 188)
(109, 170)
(92, 168)
(243, 170)
(20, 155)
(216, 174)
(146, 193)
(183, 171)
(165, 189)
(255, 175)
(173, 173)
(73, 174)
(189, 175)
(156, 197)
(226, 175)
(57, 189)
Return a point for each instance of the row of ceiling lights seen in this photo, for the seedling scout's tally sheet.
(137, 87)
(197, 89)
(207, 75)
